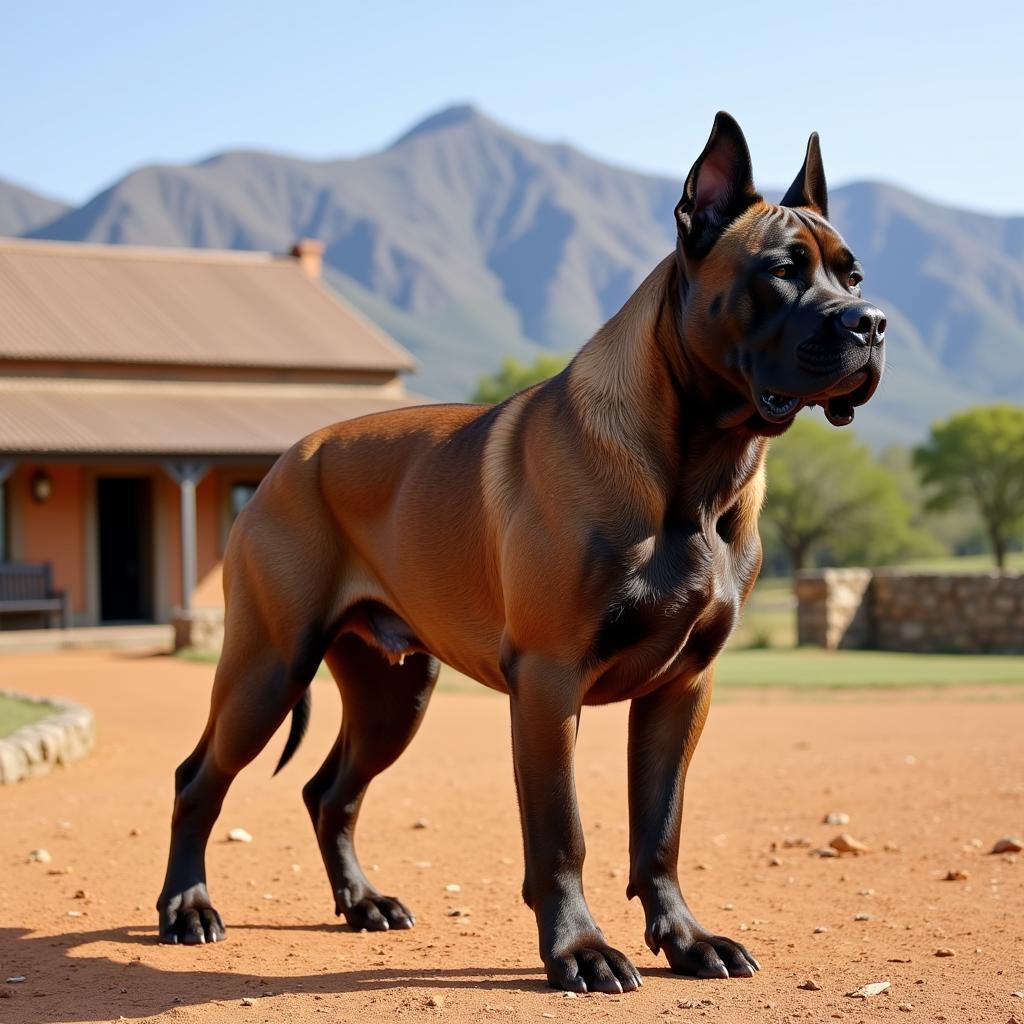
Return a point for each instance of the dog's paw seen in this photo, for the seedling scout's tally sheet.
(701, 955)
(189, 918)
(376, 913)
(596, 968)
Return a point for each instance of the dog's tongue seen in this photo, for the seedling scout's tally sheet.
(839, 411)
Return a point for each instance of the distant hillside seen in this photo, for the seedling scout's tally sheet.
(22, 210)
(469, 242)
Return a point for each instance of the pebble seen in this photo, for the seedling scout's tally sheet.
(15, 979)
(825, 851)
(810, 985)
(239, 835)
(820, 930)
(956, 875)
(459, 912)
(435, 1002)
(40, 857)
(421, 823)
(875, 988)
(906, 1007)
(81, 894)
(775, 863)
(862, 917)
(453, 887)
(248, 1001)
(796, 842)
(945, 952)
(836, 818)
(845, 843)
(1008, 844)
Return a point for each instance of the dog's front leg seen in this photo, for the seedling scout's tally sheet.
(545, 718)
(664, 728)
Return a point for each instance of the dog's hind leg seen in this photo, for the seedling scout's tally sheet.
(383, 704)
(256, 685)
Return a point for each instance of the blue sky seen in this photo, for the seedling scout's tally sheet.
(929, 96)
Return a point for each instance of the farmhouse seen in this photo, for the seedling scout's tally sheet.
(143, 395)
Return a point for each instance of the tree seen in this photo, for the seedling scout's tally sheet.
(514, 376)
(828, 497)
(977, 458)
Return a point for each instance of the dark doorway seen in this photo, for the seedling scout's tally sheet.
(125, 514)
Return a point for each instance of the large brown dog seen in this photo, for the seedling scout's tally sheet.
(591, 539)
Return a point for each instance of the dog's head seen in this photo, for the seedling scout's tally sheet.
(770, 294)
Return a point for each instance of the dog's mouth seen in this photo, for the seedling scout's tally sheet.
(838, 401)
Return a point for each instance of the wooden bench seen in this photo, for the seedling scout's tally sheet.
(29, 588)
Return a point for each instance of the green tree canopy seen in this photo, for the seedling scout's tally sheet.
(977, 458)
(827, 496)
(513, 376)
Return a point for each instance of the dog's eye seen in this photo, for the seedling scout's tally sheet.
(784, 271)
(854, 279)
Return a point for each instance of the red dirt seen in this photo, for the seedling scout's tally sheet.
(930, 776)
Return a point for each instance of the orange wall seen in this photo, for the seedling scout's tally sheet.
(54, 531)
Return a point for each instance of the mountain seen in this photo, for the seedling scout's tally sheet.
(469, 242)
(22, 210)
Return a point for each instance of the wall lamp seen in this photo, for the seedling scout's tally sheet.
(41, 485)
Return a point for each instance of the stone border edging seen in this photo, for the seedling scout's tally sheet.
(66, 735)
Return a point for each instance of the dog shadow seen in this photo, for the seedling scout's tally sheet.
(65, 983)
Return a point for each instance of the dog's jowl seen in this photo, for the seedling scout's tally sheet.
(591, 539)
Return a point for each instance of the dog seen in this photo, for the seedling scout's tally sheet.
(591, 539)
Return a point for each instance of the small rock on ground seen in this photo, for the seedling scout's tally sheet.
(874, 988)
(836, 818)
(239, 835)
(1008, 844)
(845, 843)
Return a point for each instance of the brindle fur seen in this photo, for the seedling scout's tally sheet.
(592, 539)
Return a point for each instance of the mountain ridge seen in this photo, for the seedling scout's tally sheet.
(469, 242)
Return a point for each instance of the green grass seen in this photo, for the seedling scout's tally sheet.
(963, 563)
(14, 713)
(769, 619)
(812, 668)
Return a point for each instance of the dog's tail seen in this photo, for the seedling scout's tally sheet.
(300, 722)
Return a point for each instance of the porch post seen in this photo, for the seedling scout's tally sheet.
(187, 475)
(6, 469)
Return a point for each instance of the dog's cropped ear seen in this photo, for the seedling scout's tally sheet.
(719, 187)
(809, 187)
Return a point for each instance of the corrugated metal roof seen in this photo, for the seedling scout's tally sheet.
(109, 303)
(50, 416)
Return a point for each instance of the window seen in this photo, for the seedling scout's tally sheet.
(240, 494)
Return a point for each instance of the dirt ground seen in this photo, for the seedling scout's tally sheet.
(929, 783)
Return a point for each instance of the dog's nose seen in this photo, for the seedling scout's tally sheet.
(862, 323)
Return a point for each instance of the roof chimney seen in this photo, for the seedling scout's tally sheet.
(310, 255)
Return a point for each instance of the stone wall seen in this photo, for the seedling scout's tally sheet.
(894, 610)
(66, 735)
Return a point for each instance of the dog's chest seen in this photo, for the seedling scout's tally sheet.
(671, 610)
